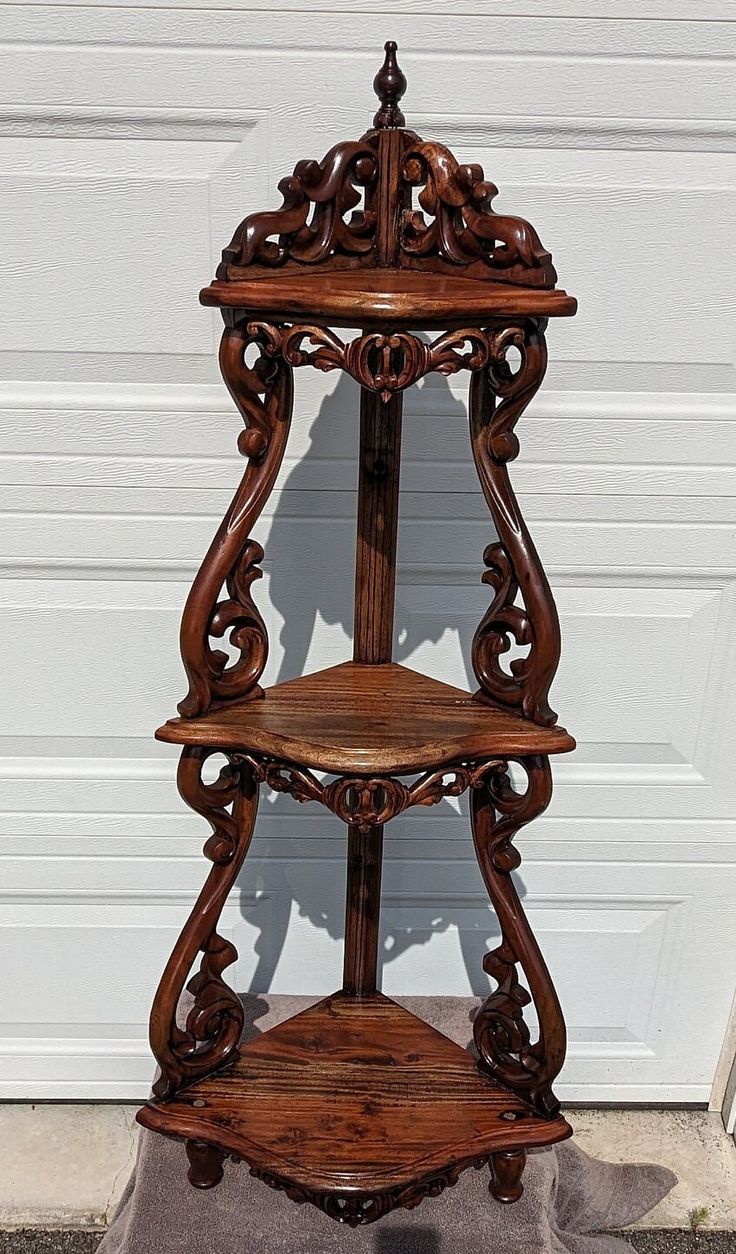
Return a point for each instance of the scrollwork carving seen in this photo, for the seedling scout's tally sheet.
(357, 1209)
(383, 363)
(501, 1035)
(513, 565)
(366, 801)
(311, 224)
(263, 394)
(462, 228)
(208, 1040)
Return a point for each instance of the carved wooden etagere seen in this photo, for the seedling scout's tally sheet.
(356, 1105)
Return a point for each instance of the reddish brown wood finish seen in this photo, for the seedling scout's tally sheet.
(214, 1023)
(507, 1169)
(368, 720)
(378, 517)
(502, 1037)
(512, 561)
(362, 908)
(355, 1105)
(385, 298)
(263, 394)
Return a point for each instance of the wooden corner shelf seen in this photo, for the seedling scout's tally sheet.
(411, 298)
(366, 719)
(355, 1105)
(363, 1072)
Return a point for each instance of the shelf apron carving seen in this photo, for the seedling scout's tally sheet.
(209, 1038)
(383, 363)
(263, 395)
(513, 565)
(358, 1209)
(369, 801)
(502, 1037)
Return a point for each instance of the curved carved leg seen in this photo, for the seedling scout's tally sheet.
(205, 1164)
(263, 394)
(512, 561)
(499, 1030)
(210, 1036)
(507, 1168)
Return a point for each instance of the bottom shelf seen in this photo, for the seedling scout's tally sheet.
(355, 1105)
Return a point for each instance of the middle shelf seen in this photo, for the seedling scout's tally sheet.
(368, 719)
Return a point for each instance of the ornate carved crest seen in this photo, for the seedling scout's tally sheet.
(336, 211)
(457, 223)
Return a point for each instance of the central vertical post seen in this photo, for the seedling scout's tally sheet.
(375, 561)
(375, 580)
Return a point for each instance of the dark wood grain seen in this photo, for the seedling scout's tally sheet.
(378, 517)
(355, 1106)
(355, 1099)
(362, 908)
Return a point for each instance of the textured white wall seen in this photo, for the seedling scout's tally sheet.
(132, 140)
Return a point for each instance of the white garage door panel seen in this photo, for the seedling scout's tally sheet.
(626, 1036)
(132, 140)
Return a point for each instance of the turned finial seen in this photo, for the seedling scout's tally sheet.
(389, 85)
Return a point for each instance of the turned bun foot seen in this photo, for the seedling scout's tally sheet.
(205, 1164)
(507, 1169)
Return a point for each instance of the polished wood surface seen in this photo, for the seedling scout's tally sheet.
(355, 1099)
(355, 1105)
(393, 298)
(363, 719)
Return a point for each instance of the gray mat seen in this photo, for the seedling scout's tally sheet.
(568, 1197)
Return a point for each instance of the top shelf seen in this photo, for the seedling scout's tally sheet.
(386, 298)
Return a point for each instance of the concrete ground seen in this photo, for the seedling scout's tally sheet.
(64, 1167)
(663, 1241)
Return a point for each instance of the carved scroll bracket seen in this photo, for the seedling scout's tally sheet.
(220, 599)
(368, 801)
(502, 1037)
(209, 1038)
(457, 225)
(312, 223)
(383, 363)
(514, 569)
